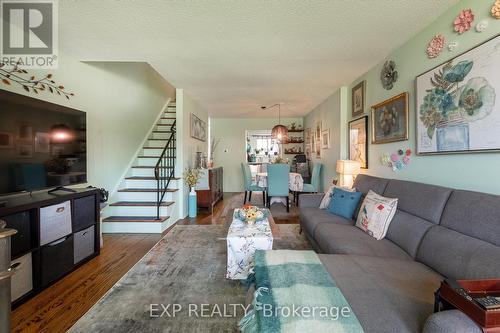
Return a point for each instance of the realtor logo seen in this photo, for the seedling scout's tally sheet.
(29, 33)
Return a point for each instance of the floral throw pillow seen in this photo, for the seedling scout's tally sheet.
(325, 202)
(376, 214)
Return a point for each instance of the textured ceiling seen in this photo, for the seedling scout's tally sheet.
(233, 56)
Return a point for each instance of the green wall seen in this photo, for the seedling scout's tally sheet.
(121, 100)
(231, 151)
(478, 171)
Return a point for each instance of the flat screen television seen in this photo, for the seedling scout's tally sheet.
(42, 145)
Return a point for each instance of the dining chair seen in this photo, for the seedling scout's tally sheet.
(249, 186)
(277, 183)
(313, 187)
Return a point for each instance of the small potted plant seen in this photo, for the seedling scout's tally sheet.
(292, 126)
(191, 178)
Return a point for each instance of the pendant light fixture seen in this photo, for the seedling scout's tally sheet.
(279, 132)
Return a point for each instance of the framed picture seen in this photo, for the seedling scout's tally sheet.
(325, 139)
(198, 128)
(358, 141)
(24, 150)
(358, 99)
(6, 140)
(42, 143)
(457, 103)
(25, 132)
(389, 120)
(317, 140)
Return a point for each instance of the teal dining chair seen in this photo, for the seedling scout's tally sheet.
(313, 187)
(249, 187)
(277, 183)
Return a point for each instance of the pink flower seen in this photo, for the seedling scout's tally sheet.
(394, 157)
(406, 160)
(463, 21)
(435, 46)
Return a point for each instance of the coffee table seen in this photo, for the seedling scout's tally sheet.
(243, 240)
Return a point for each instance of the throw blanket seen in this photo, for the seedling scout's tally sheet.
(294, 293)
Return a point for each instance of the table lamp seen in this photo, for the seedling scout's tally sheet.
(347, 170)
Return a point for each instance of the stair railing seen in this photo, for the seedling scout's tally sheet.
(165, 169)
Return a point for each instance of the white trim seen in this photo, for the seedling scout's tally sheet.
(138, 151)
(136, 227)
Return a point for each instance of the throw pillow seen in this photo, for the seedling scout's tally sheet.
(344, 203)
(375, 214)
(328, 196)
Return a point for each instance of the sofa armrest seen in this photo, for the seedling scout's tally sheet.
(310, 200)
(451, 321)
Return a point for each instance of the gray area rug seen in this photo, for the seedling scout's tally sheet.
(185, 270)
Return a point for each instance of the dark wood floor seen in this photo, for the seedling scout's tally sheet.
(57, 308)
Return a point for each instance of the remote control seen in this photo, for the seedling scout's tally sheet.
(488, 302)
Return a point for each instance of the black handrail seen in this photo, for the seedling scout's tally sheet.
(165, 169)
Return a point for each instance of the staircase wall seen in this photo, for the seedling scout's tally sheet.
(186, 145)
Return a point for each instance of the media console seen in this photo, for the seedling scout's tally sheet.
(56, 233)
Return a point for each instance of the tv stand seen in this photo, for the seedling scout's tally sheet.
(62, 189)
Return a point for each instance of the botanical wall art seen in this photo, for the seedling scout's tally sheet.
(358, 141)
(456, 103)
(388, 75)
(358, 99)
(198, 128)
(30, 83)
(389, 120)
(397, 161)
(317, 140)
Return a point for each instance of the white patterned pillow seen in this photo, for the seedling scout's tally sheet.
(375, 214)
(325, 202)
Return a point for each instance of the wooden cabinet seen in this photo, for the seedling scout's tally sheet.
(208, 198)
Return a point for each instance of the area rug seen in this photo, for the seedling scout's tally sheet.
(179, 286)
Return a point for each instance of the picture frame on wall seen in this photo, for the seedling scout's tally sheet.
(389, 120)
(358, 99)
(317, 140)
(325, 139)
(42, 143)
(198, 128)
(6, 140)
(468, 118)
(358, 141)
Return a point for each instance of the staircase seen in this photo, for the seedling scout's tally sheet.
(146, 198)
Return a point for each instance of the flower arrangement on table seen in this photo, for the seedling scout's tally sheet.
(251, 214)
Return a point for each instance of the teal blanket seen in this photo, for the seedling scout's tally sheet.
(294, 293)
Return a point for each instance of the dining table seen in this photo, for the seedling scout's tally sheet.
(295, 181)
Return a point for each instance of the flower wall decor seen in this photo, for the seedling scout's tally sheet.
(452, 46)
(482, 25)
(389, 75)
(435, 46)
(30, 83)
(397, 161)
(495, 10)
(463, 22)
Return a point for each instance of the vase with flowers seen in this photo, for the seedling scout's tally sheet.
(251, 214)
(191, 178)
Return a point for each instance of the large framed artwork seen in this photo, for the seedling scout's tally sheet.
(358, 141)
(358, 99)
(390, 120)
(198, 128)
(456, 103)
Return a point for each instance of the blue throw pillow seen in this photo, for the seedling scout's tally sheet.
(344, 203)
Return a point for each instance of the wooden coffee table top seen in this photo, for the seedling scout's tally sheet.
(275, 230)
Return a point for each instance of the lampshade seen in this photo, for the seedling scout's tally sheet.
(280, 133)
(61, 133)
(348, 167)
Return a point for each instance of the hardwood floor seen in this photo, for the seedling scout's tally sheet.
(57, 308)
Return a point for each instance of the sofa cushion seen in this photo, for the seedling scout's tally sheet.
(376, 214)
(422, 200)
(344, 203)
(310, 218)
(365, 183)
(451, 321)
(474, 214)
(387, 295)
(459, 256)
(345, 239)
(407, 231)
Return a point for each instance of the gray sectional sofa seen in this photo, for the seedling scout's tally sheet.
(437, 232)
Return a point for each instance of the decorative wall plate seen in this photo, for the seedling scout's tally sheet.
(389, 74)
